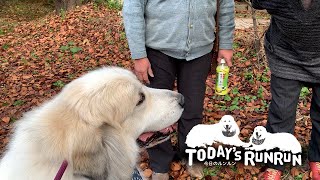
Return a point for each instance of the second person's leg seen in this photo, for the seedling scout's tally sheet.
(314, 145)
(282, 110)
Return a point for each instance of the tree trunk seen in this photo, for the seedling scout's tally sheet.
(257, 42)
(66, 4)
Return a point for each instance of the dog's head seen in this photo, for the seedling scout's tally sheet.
(229, 126)
(114, 96)
(259, 135)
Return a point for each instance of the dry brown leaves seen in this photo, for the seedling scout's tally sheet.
(39, 57)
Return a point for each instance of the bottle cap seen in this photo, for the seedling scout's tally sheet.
(222, 61)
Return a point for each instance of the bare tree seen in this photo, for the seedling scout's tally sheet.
(255, 27)
(66, 4)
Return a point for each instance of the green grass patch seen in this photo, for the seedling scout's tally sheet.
(112, 4)
(2, 32)
(18, 102)
(26, 10)
(75, 49)
(207, 171)
(5, 46)
(5, 104)
(299, 177)
(304, 92)
(236, 45)
(70, 47)
(58, 84)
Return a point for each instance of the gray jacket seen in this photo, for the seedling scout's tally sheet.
(183, 29)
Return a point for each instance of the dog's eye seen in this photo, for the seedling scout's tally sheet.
(142, 98)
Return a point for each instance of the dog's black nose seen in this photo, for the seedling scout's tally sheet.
(181, 100)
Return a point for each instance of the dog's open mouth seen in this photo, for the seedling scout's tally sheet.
(228, 132)
(257, 141)
(150, 139)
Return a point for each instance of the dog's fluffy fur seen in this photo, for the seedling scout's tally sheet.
(263, 140)
(206, 134)
(93, 123)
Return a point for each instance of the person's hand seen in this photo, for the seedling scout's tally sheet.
(227, 55)
(142, 68)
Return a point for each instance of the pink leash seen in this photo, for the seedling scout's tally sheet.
(61, 171)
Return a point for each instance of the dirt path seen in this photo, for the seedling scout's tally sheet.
(245, 23)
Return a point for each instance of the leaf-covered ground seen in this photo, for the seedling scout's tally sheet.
(37, 58)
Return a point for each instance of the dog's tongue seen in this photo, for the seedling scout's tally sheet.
(145, 136)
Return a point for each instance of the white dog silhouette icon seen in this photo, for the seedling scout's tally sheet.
(263, 140)
(225, 131)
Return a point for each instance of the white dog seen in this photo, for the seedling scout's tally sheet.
(263, 140)
(93, 124)
(226, 132)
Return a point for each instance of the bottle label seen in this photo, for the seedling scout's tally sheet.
(222, 82)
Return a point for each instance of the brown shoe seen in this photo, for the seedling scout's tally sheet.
(160, 176)
(315, 169)
(270, 174)
(196, 170)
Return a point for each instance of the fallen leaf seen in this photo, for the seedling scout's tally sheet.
(6, 119)
(175, 166)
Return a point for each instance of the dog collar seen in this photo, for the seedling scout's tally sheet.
(61, 170)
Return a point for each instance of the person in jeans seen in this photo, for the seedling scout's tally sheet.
(292, 46)
(173, 39)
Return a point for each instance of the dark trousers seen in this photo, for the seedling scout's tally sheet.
(191, 77)
(282, 112)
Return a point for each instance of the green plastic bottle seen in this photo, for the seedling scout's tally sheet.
(222, 78)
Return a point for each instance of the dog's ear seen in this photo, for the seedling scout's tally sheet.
(99, 97)
(83, 105)
(116, 101)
